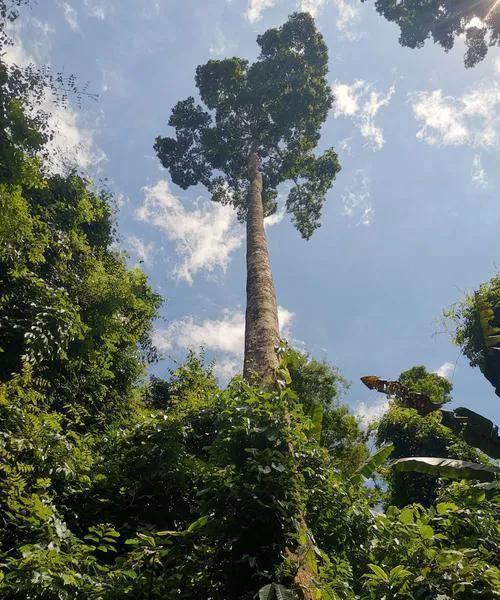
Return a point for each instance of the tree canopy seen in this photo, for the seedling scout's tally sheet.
(444, 21)
(274, 107)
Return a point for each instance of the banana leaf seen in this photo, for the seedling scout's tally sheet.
(371, 465)
(448, 468)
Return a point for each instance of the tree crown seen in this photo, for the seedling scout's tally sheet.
(274, 107)
(443, 21)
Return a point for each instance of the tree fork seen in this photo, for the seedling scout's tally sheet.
(261, 321)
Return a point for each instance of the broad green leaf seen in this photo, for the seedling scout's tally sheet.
(426, 532)
(406, 516)
(446, 507)
(379, 572)
(198, 524)
(266, 592)
(399, 572)
(447, 467)
(371, 464)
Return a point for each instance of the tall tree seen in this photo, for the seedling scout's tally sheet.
(261, 128)
(445, 20)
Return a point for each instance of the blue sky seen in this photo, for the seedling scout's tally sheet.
(411, 223)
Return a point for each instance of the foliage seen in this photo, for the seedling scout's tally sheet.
(419, 380)
(69, 307)
(319, 388)
(274, 107)
(416, 435)
(447, 551)
(188, 384)
(475, 324)
(445, 20)
(368, 468)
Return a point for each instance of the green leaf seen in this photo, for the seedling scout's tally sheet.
(198, 524)
(379, 572)
(406, 516)
(399, 572)
(426, 532)
(132, 542)
(69, 579)
(446, 507)
(447, 467)
(267, 592)
(283, 593)
(371, 464)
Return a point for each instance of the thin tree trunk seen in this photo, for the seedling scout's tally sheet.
(261, 321)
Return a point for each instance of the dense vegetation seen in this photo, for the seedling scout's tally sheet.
(114, 487)
(415, 435)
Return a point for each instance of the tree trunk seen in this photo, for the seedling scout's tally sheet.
(261, 321)
(261, 339)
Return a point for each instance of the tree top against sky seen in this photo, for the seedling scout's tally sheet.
(275, 108)
(443, 21)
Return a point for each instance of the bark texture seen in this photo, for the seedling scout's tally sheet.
(261, 340)
(261, 321)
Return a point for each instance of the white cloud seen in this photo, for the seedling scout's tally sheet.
(275, 218)
(225, 337)
(218, 45)
(70, 15)
(256, 8)
(72, 144)
(356, 200)
(361, 103)
(204, 237)
(472, 119)
(143, 251)
(226, 367)
(347, 12)
(97, 9)
(475, 22)
(219, 335)
(369, 412)
(446, 370)
(478, 173)
(311, 6)
(44, 27)
(347, 16)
